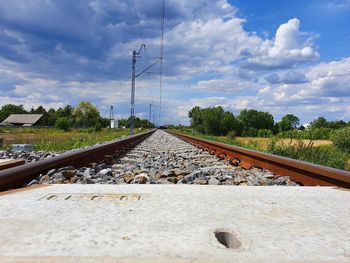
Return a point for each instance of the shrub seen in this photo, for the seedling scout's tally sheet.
(251, 132)
(347, 165)
(63, 123)
(317, 133)
(231, 135)
(290, 134)
(264, 133)
(98, 127)
(1, 142)
(326, 155)
(341, 139)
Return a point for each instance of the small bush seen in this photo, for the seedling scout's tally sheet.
(231, 135)
(341, 139)
(326, 155)
(98, 127)
(347, 165)
(63, 124)
(318, 134)
(251, 132)
(265, 133)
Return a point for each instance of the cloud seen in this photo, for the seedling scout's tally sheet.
(55, 52)
(325, 90)
(331, 79)
(338, 5)
(290, 77)
(289, 48)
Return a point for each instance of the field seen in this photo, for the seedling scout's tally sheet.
(50, 139)
(265, 142)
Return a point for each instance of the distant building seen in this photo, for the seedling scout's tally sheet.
(25, 120)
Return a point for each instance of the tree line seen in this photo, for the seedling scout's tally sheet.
(254, 123)
(84, 115)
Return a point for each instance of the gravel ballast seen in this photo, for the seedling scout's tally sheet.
(163, 159)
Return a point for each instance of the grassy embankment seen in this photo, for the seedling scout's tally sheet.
(57, 140)
(321, 152)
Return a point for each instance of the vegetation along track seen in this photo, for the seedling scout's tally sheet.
(166, 158)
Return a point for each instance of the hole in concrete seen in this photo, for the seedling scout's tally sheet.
(228, 239)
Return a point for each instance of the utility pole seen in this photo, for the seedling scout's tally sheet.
(136, 55)
(133, 77)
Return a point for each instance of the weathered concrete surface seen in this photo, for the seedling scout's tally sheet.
(162, 223)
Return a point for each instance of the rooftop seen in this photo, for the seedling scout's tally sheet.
(23, 119)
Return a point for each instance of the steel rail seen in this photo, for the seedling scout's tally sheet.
(301, 172)
(17, 176)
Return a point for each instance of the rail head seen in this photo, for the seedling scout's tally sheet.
(17, 176)
(303, 172)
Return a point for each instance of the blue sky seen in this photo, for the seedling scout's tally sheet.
(277, 56)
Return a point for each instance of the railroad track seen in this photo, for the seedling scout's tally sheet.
(169, 158)
(106, 220)
(301, 172)
(19, 176)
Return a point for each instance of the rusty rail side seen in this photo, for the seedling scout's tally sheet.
(301, 172)
(17, 176)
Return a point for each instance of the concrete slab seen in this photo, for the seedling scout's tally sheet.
(162, 223)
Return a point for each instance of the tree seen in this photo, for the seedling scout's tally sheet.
(139, 123)
(9, 109)
(288, 122)
(41, 110)
(320, 122)
(86, 115)
(67, 111)
(211, 120)
(255, 119)
(196, 118)
(51, 117)
(63, 123)
(227, 123)
(122, 122)
(265, 121)
(341, 139)
(105, 122)
(248, 118)
(337, 124)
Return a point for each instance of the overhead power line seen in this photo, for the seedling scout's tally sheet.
(138, 21)
(161, 55)
(145, 70)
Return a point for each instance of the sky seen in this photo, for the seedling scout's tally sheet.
(277, 56)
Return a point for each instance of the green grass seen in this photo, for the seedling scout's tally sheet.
(327, 155)
(57, 140)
